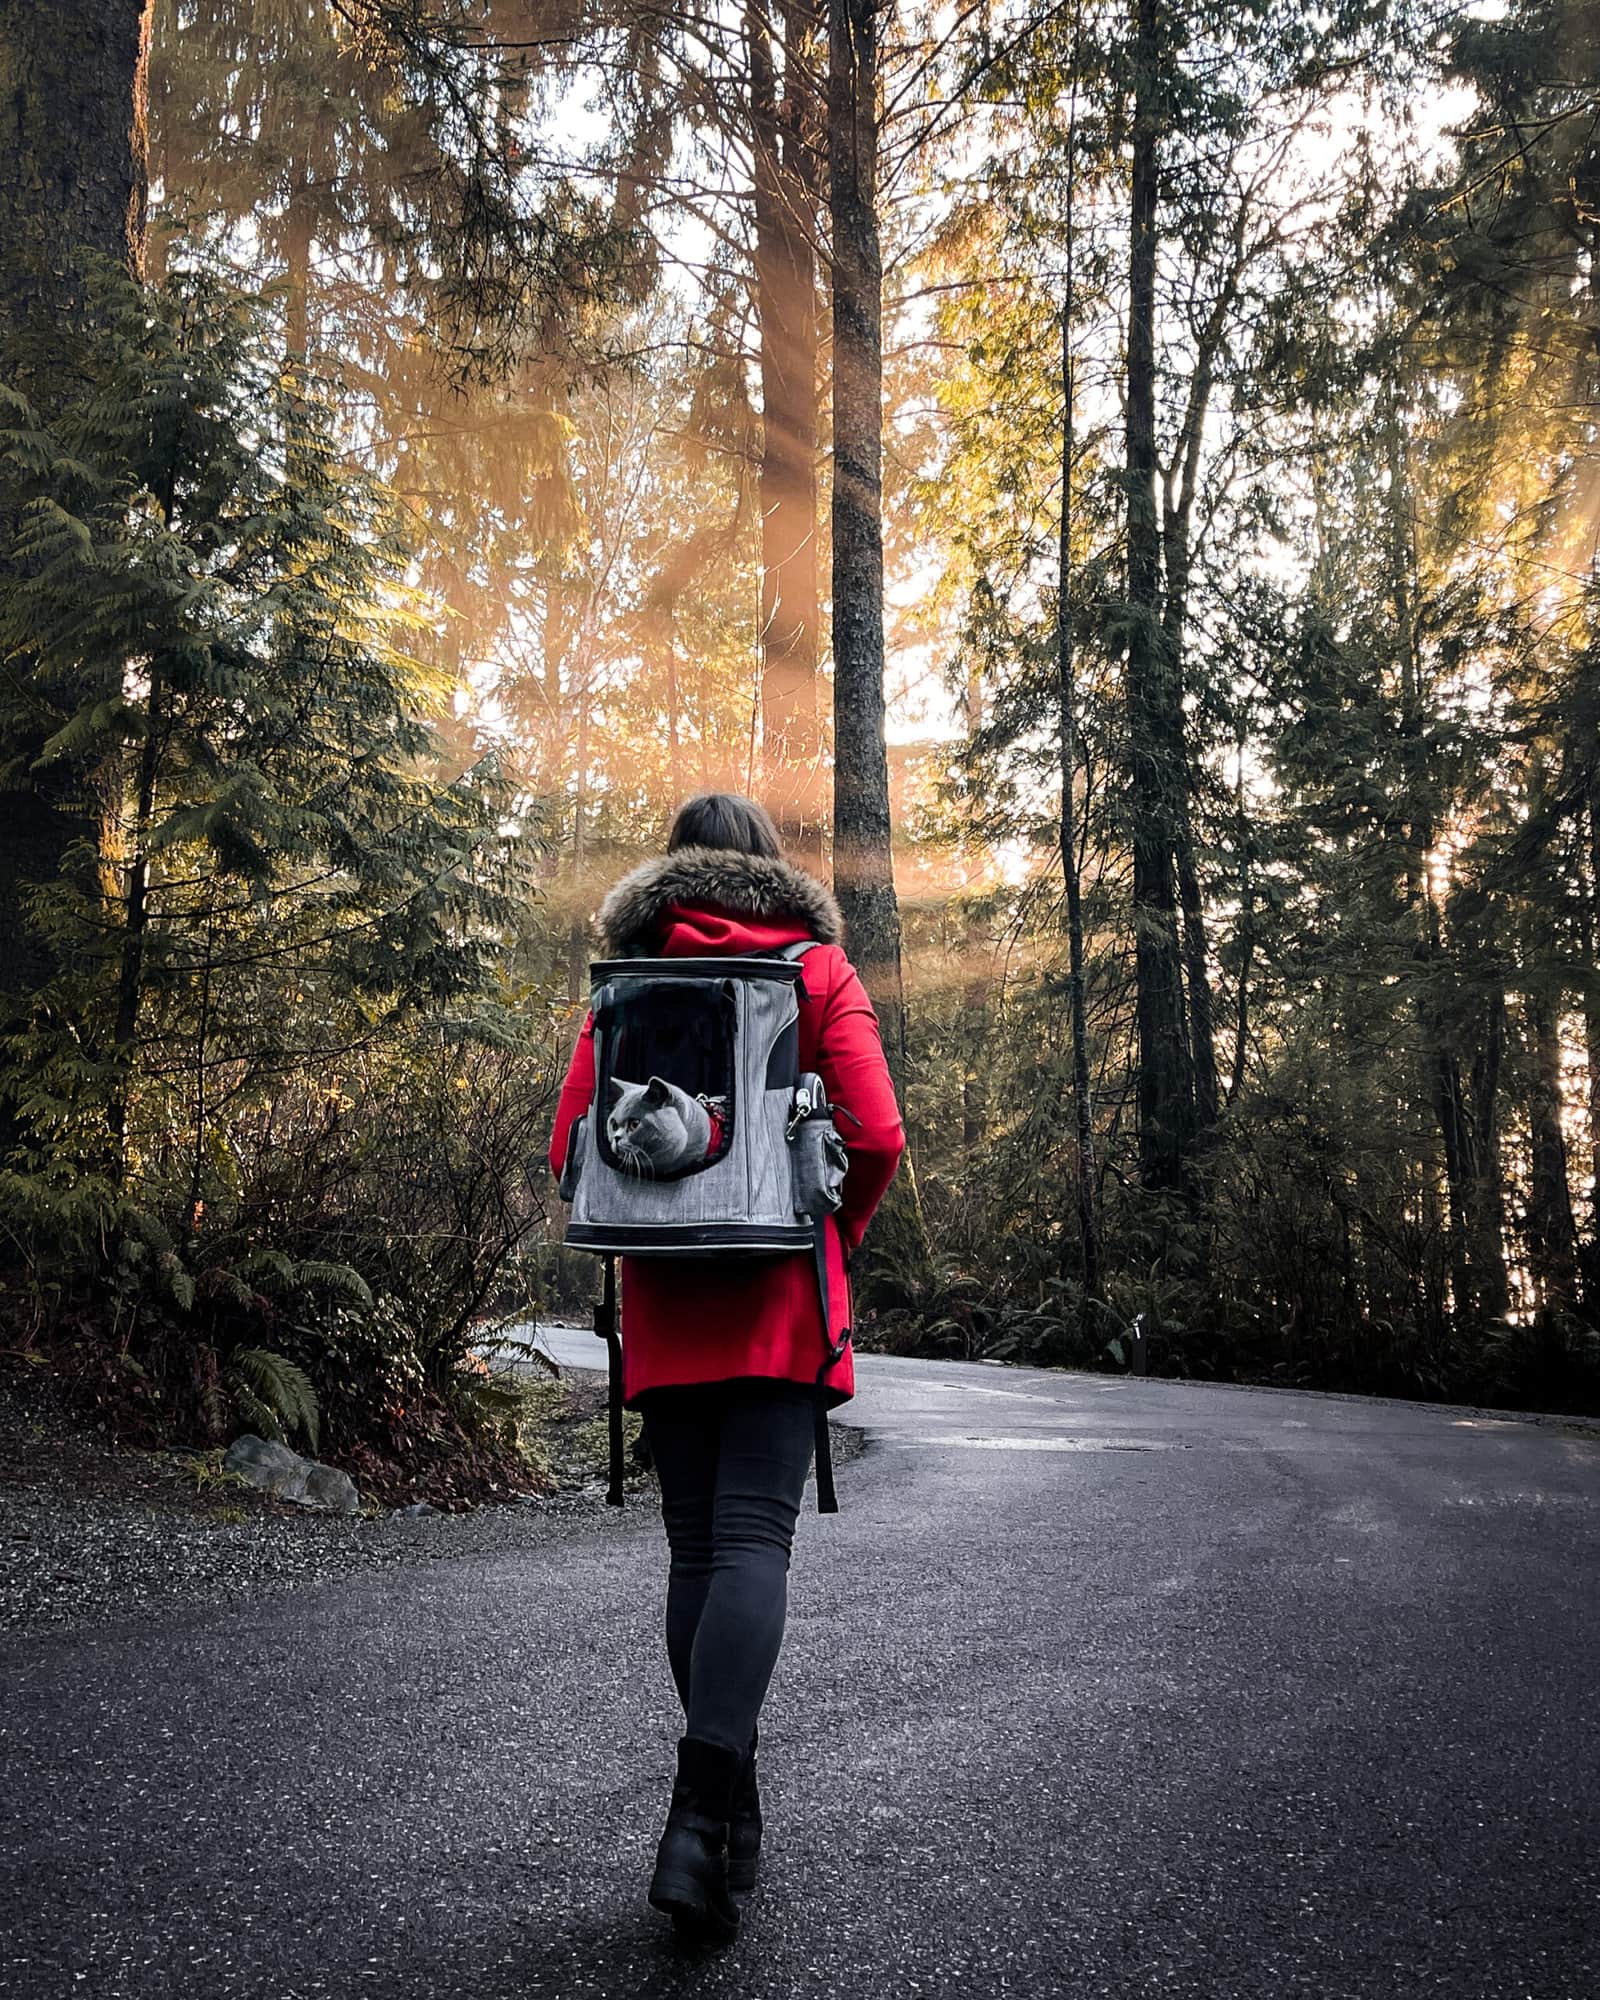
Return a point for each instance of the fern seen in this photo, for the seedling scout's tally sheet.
(265, 1260)
(178, 1282)
(273, 1393)
(229, 1285)
(286, 1274)
(334, 1278)
(254, 1414)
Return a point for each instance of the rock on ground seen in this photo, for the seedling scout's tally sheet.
(287, 1476)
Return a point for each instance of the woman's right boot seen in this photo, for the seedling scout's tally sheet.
(691, 1879)
(744, 1827)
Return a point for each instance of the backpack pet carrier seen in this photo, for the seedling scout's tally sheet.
(717, 1040)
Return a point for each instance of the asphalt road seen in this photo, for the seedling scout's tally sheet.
(1094, 1688)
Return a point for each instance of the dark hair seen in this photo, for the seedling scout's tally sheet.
(724, 819)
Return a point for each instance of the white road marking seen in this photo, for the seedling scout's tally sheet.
(1041, 1443)
(974, 1389)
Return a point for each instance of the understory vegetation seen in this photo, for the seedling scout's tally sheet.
(273, 1111)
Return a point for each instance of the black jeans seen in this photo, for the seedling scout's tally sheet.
(732, 1459)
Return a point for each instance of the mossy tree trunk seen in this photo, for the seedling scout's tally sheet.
(1159, 779)
(1591, 1026)
(72, 179)
(863, 864)
(1552, 1229)
(1068, 833)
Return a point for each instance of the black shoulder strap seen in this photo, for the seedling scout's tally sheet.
(827, 1499)
(605, 1324)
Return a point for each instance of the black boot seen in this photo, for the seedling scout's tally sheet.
(691, 1878)
(744, 1827)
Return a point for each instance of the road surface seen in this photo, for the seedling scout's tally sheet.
(1095, 1687)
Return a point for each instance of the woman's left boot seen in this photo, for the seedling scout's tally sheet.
(691, 1879)
(744, 1827)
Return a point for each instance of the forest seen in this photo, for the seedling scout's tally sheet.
(1119, 480)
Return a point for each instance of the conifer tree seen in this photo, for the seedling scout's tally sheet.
(214, 613)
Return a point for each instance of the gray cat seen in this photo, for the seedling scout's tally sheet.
(656, 1128)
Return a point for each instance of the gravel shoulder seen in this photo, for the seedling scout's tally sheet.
(91, 1535)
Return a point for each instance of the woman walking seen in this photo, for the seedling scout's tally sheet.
(721, 1358)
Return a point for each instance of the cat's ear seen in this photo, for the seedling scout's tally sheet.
(619, 1090)
(657, 1093)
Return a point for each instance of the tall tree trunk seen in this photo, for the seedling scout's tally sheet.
(136, 917)
(1247, 936)
(1486, 1193)
(72, 179)
(1196, 962)
(73, 162)
(1552, 1233)
(1449, 1108)
(1590, 1253)
(975, 988)
(583, 690)
(1591, 1000)
(674, 744)
(1177, 552)
(1441, 1070)
(1201, 1026)
(1067, 739)
(136, 897)
(976, 978)
(297, 241)
(784, 139)
(862, 861)
(1165, 1083)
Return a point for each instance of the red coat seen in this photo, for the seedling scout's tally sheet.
(715, 1321)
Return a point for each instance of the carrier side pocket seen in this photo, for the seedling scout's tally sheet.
(819, 1160)
(572, 1166)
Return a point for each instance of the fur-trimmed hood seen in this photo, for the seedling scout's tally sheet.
(718, 878)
